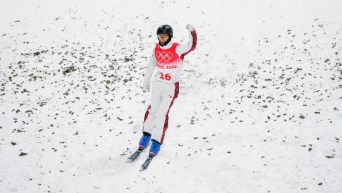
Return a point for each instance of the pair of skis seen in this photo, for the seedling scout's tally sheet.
(135, 156)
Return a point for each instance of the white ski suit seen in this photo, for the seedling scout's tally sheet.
(168, 63)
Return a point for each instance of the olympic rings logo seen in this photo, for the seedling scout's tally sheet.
(164, 56)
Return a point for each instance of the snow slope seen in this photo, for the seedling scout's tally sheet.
(259, 107)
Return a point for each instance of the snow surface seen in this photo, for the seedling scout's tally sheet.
(259, 108)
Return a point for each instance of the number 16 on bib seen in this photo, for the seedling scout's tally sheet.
(165, 76)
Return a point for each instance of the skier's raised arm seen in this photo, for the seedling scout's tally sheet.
(184, 49)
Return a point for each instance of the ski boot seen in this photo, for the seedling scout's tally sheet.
(155, 147)
(144, 141)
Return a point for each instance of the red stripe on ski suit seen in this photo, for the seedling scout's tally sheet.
(147, 112)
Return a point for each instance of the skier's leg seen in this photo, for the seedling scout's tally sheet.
(162, 117)
(150, 115)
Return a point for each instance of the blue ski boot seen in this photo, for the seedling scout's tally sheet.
(155, 147)
(144, 141)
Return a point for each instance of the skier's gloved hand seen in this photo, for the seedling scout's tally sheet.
(147, 86)
(190, 27)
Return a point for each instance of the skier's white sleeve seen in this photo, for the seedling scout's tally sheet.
(184, 49)
(151, 64)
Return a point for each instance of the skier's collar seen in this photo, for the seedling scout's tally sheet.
(167, 46)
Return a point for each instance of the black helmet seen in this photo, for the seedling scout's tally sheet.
(165, 29)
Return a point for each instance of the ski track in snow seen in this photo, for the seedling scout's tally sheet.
(259, 107)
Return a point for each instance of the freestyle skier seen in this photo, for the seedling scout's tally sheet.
(167, 60)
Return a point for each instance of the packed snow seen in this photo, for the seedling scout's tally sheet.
(259, 107)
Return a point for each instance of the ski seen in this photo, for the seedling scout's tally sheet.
(147, 162)
(135, 155)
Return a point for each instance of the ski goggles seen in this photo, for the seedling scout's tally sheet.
(162, 36)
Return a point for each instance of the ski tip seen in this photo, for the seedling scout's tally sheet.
(146, 164)
(129, 160)
(143, 168)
